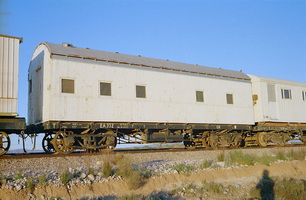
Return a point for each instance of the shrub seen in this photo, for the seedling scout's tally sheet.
(213, 187)
(146, 173)
(134, 180)
(266, 159)
(285, 189)
(19, 175)
(91, 171)
(221, 157)
(206, 164)
(280, 155)
(290, 189)
(107, 170)
(239, 158)
(183, 168)
(2, 179)
(42, 180)
(29, 184)
(296, 155)
(65, 177)
(131, 175)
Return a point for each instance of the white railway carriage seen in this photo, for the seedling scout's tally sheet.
(79, 84)
(278, 100)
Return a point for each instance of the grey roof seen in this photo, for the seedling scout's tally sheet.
(85, 53)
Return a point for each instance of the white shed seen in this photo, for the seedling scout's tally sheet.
(9, 65)
(80, 84)
(278, 100)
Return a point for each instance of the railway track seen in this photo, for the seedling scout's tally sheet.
(132, 151)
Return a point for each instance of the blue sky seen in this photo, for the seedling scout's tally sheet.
(260, 37)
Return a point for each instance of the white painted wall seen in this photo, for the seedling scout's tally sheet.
(170, 96)
(283, 110)
(9, 65)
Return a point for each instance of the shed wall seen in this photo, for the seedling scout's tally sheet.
(9, 58)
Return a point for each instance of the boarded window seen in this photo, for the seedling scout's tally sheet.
(229, 99)
(304, 95)
(140, 91)
(68, 86)
(271, 93)
(105, 89)
(200, 96)
(286, 94)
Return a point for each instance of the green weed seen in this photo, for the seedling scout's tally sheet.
(266, 159)
(206, 164)
(213, 187)
(183, 168)
(65, 177)
(132, 176)
(296, 155)
(42, 180)
(107, 170)
(280, 155)
(236, 158)
(19, 175)
(29, 184)
(221, 157)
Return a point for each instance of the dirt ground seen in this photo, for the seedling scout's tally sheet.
(246, 177)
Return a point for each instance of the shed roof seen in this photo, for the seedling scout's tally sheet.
(8, 36)
(68, 50)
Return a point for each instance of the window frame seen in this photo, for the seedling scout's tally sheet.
(62, 83)
(201, 92)
(110, 87)
(284, 94)
(227, 98)
(304, 95)
(30, 86)
(138, 96)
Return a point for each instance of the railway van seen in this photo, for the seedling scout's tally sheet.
(94, 98)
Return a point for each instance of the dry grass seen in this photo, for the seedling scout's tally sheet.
(128, 172)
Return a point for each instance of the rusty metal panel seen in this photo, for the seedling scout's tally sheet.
(11, 125)
(9, 58)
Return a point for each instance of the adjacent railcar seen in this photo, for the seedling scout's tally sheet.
(89, 98)
(279, 109)
(9, 122)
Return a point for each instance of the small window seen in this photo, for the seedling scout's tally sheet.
(200, 96)
(30, 86)
(304, 95)
(286, 94)
(68, 86)
(229, 99)
(140, 91)
(105, 89)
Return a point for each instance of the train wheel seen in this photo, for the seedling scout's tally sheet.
(188, 142)
(213, 140)
(62, 143)
(46, 143)
(236, 140)
(261, 139)
(5, 143)
(109, 142)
